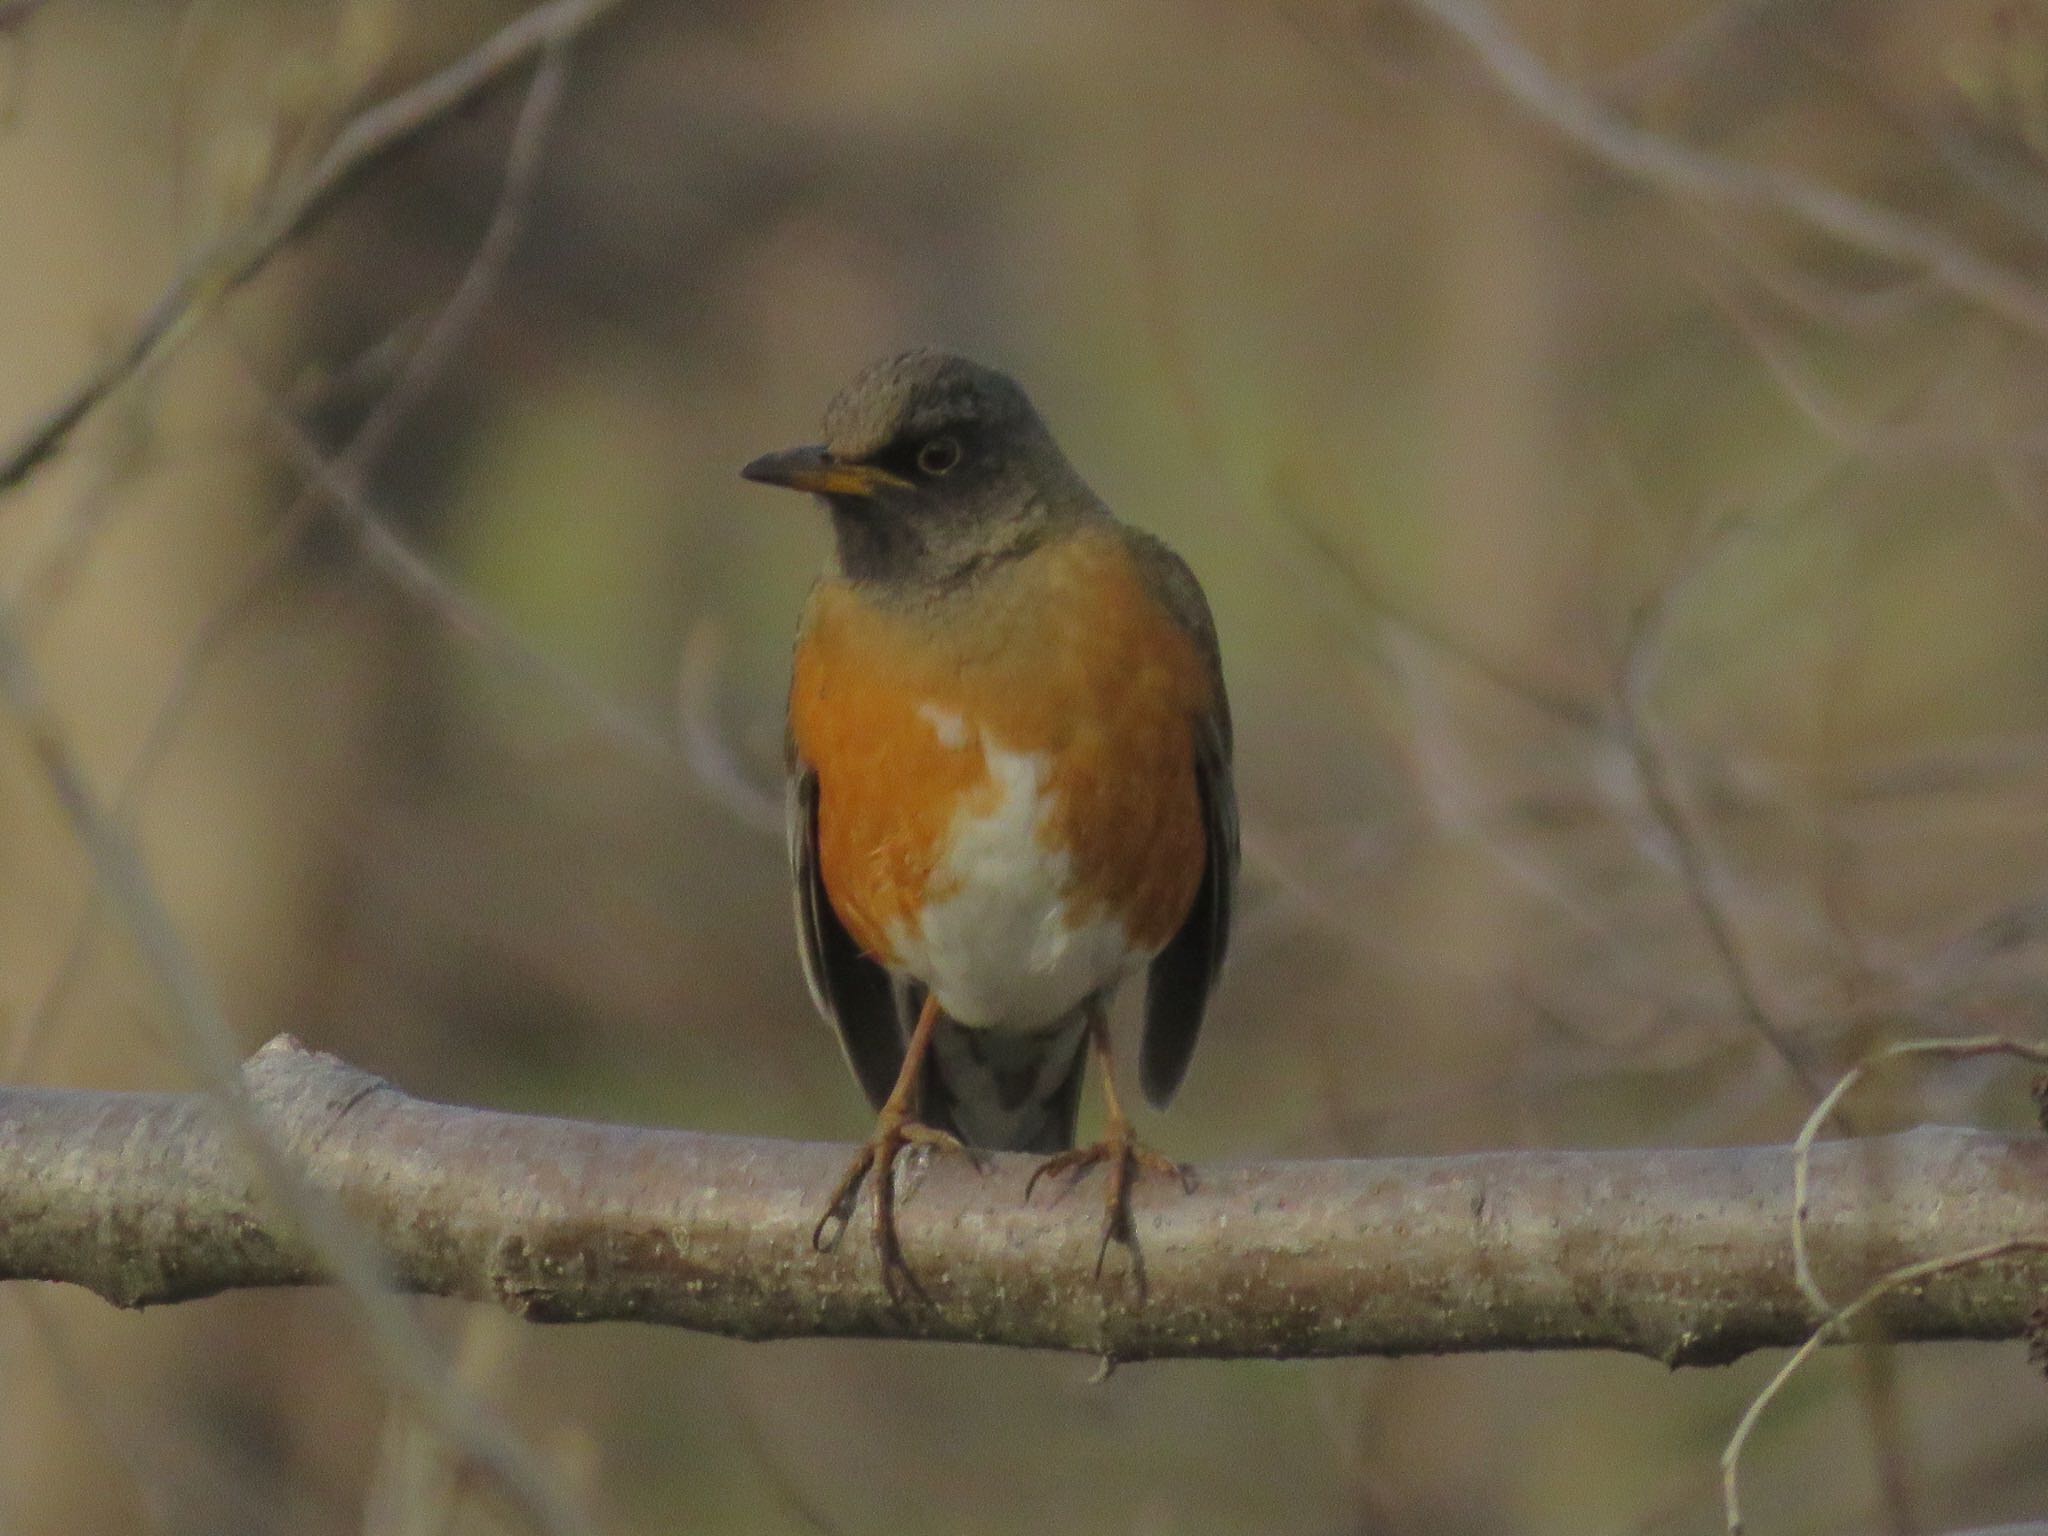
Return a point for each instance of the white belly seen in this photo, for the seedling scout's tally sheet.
(1000, 949)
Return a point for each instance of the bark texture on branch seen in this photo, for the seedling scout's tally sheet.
(1681, 1255)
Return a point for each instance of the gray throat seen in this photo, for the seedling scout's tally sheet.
(895, 556)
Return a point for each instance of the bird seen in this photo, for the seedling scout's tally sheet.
(1009, 786)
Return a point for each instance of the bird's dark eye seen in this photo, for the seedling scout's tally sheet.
(938, 455)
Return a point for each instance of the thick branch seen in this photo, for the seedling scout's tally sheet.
(1684, 1256)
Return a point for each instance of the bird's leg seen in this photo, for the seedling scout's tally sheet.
(895, 1129)
(1120, 1148)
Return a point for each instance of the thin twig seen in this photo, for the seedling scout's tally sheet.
(415, 1488)
(2009, 185)
(1384, 607)
(205, 1043)
(232, 260)
(203, 1033)
(704, 743)
(1891, 436)
(1697, 874)
(428, 360)
(1836, 1326)
(417, 578)
(1802, 1147)
(1682, 171)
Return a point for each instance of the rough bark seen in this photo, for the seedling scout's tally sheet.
(1681, 1255)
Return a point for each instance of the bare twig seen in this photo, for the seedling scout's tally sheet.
(429, 358)
(1890, 435)
(1914, 1275)
(204, 1040)
(53, 573)
(416, 577)
(1385, 607)
(704, 743)
(238, 256)
(1802, 1147)
(1696, 870)
(38, 1027)
(1681, 171)
(1675, 1254)
(415, 1487)
(2007, 182)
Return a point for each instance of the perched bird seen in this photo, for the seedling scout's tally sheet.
(1009, 782)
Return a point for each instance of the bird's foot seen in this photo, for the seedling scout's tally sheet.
(1127, 1157)
(894, 1131)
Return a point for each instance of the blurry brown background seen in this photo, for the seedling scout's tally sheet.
(1516, 486)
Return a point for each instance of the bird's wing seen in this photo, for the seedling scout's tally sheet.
(1181, 977)
(853, 992)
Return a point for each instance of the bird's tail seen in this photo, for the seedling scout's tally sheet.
(1006, 1090)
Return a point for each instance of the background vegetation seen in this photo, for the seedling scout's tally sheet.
(1632, 600)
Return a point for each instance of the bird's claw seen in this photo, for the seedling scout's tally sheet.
(893, 1133)
(1127, 1158)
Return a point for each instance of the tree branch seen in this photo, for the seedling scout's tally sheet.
(1678, 170)
(1681, 1255)
(243, 252)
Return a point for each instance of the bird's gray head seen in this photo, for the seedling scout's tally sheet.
(935, 469)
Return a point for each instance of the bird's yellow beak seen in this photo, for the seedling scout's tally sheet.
(812, 468)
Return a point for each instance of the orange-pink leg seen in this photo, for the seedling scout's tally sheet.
(895, 1129)
(1120, 1148)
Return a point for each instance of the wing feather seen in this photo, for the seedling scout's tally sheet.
(1181, 978)
(1184, 973)
(854, 993)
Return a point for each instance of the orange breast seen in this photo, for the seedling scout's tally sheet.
(1065, 655)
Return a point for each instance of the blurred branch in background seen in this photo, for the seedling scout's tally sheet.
(1682, 1256)
(437, 345)
(1836, 1326)
(198, 1030)
(414, 574)
(238, 256)
(1548, 845)
(1682, 171)
(1664, 794)
(202, 1039)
